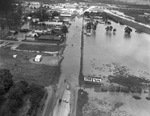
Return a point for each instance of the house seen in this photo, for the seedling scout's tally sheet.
(94, 80)
(51, 23)
(32, 34)
(65, 15)
(35, 19)
(53, 37)
(34, 5)
(46, 5)
(38, 58)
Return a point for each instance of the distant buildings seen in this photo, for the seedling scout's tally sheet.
(34, 5)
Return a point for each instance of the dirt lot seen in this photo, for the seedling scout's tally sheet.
(22, 69)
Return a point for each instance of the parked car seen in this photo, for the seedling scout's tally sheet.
(11, 37)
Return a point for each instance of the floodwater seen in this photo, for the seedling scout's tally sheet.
(105, 50)
(129, 106)
(108, 48)
(101, 52)
(70, 65)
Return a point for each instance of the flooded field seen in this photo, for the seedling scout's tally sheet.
(115, 54)
(103, 49)
(115, 104)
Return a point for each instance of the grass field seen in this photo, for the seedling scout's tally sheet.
(41, 48)
(22, 69)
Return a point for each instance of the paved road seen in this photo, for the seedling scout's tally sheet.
(63, 108)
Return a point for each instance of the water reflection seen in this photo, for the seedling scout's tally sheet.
(114, 33)
(108, 33)
(127, 36)
(94, 34)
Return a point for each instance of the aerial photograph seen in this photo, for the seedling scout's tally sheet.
(74, 57)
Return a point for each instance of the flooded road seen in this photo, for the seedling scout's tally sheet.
(70, 67)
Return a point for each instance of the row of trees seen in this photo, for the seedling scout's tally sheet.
(43, 15)
(11, 15)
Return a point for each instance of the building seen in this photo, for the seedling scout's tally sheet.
(34, 5)
(51, 23)
(38, 58)
(94, 80)
(53, 37)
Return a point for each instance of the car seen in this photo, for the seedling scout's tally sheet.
(68, 87)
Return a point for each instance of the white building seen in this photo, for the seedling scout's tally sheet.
(38, 58)
(51, 23)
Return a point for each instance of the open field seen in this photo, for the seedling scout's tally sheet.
(41, 48)
(22, 69)
(45, 41)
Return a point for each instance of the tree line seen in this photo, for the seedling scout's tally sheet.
(13, 95)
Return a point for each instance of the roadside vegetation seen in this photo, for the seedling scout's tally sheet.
(14, 95)
(82, 100)
(116, 19)
(138, 15)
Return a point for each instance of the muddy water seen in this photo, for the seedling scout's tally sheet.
(102, 52)
(70, 66)
(106, 48)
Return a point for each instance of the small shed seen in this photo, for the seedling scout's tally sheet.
(38, 58)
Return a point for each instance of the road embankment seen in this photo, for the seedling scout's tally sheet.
(135, 25)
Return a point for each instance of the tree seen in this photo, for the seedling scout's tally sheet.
(2, 89)
(37, 93)
(18, 90)
(5, 79)
(87, 14)
(6, 6)
(15, 18)
(55, 13)
(64, 30)
(128, 30)
(41, 14)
